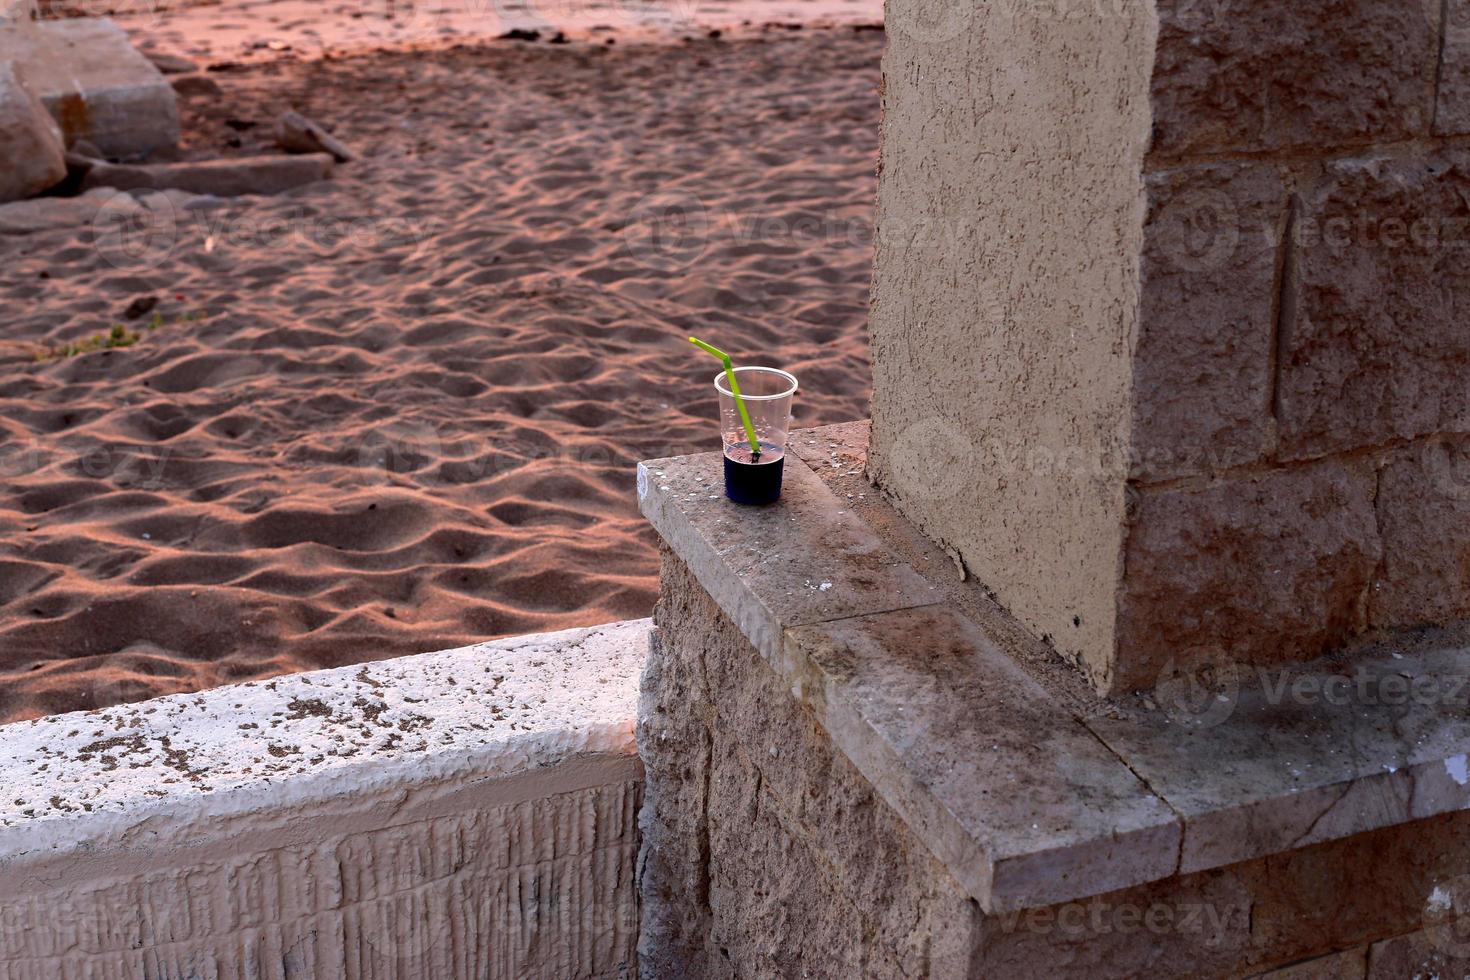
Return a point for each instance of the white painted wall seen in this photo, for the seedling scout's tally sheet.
(470, 813)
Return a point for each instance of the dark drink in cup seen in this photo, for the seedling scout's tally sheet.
(752, 480)
(750, 477)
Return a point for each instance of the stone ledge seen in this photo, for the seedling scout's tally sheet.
(470, 810)
(1023, 820)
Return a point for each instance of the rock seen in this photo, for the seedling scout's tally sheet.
(178, 200)
(297, 134)
(86, 148)
(46, 213)
(520, 34)
(140, 307)
(32, 155)
(196, 84)
(96, 84)
(221, 178)
(170, 64)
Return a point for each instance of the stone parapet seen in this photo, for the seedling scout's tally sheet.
(823, 763)
(464, 814)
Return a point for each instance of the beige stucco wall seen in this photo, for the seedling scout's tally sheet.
(1010, 215)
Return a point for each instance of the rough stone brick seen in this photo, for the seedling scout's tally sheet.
(711, 704)
(1453, 111)
(1379, 348)
(1350, 964)
(776, 816)
(1263, 567)
(1423, 506)
(1265, 75)
(1429, 953)
(1202, 362)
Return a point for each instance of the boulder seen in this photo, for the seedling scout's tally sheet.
(221, 178)
(197, 84)
(170, 64)
(45, 213)
(32, 154)
(95, 84)
(297, 134)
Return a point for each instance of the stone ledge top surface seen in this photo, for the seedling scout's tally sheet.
(495, 709)
(1029, 792)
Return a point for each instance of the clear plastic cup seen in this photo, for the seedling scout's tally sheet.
(767, 393)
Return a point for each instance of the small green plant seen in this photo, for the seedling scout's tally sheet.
(119, 336)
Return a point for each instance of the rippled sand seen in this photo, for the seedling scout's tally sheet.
(399, 411)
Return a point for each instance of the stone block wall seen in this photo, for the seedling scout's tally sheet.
(766, 853)
(1237, 431)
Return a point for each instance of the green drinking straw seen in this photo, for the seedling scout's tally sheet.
(755, 444)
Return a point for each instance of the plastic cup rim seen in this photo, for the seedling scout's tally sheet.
(720, 378)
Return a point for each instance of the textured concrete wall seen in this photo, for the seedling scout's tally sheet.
(1282, 377)
(767, 854)
(468, 814)
(1004, 294)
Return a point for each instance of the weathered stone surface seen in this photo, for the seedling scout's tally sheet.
(1379, 349)
(1452, 114)
(1267, 76)
(1441, 952)
(723, 741)
(222, 178)
(465, 814)
(1202, 364)
(805, 559)
(1019, 801)
(1350, 964)
(45, 213)
(1423, 508)
(1262, 567)
(796, 867)
(1266, 760)
(32, 156)
(1258, 915)
(96, 84)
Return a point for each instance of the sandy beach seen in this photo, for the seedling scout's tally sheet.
(399, 410)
